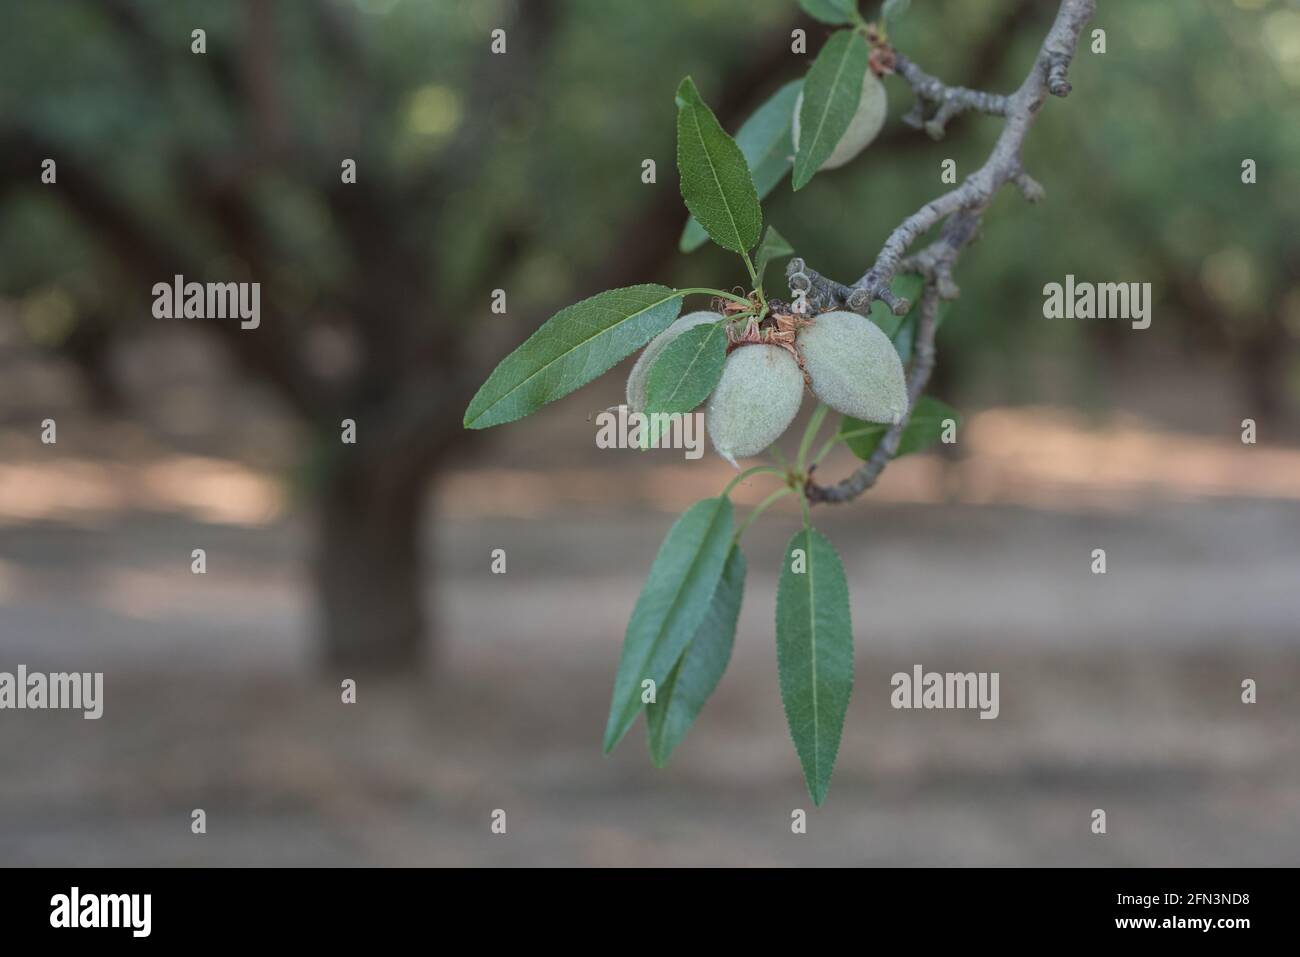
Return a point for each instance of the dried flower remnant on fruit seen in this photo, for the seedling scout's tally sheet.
(756, 399)
(777, 328)
(882, 59)
(853, 367)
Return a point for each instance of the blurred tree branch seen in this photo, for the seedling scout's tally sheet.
(144, 255)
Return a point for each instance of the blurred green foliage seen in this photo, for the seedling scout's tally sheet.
(1142, 163)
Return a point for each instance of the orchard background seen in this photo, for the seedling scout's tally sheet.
(481, 691)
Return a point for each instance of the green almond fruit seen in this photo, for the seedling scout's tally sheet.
(756, 399)
(853, 367)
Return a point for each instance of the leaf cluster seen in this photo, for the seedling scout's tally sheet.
(682, 630)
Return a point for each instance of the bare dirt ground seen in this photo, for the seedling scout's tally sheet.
(1119, 692)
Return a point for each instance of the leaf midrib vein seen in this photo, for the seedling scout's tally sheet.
(657, 733)
(677, 592)
(812, 636)
(821, 123)
(704, 147)
(689, 366)
(578, 345)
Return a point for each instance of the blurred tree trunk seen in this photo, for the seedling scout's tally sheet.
(414, 376)
(367, 563)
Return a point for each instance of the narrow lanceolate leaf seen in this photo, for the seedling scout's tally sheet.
(570, 349)
(814, 653)
(924, 428)
(701, 665)
(831, 91)
(765, 140)
(829, 11)
(687, 369)
(773, 246)
(715, 179)
(906, 286)
(672, 605)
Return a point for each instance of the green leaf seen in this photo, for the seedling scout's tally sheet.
(924, 428)
(773, 246)
(893, 10)
(905, 337)
(831, 91)
(908, 286)
(715, 179)
(829, 11)
(673, 603)
(687, 369)
(701, 665)
(570, 349)
(814, 654)
(765, 140)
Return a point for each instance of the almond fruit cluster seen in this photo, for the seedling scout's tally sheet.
(847, 361)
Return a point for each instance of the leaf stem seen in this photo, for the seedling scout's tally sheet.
(756, 470)
(809, 434)
(705, 290)
(758, 289)
(759, 509)
(753, 273)
(833, 441)
(839, 437)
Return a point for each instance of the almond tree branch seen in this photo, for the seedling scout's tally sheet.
(960, 210)
(949, 101)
